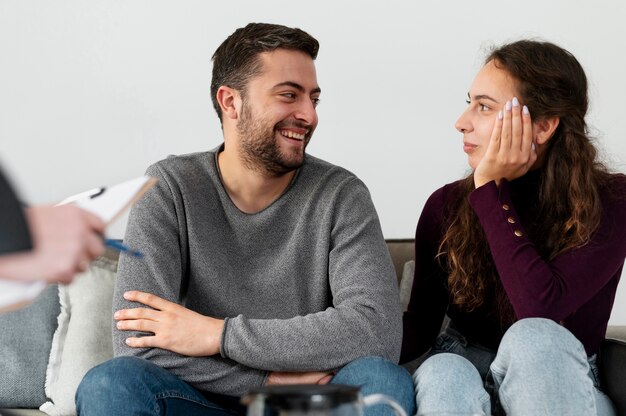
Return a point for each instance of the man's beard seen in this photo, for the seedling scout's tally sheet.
(259, 150)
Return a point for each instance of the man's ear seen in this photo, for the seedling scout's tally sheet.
(229, 101)
(544, 129)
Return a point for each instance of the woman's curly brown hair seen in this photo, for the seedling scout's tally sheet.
(551, 83)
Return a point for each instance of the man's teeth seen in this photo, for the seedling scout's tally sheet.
(292, 135)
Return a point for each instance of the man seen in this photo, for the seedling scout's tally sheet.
(43, 242)
(263, 265)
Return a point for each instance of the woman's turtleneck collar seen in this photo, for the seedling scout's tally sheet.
(525, 190)
(529, 181)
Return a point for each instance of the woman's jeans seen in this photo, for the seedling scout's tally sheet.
(540, 368)
(134, 386)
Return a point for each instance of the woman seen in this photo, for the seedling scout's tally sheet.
(524, 255)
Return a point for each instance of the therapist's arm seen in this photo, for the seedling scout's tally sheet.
(64, 238)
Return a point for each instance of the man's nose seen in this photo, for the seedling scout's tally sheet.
(306, 112)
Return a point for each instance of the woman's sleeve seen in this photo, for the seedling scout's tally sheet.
(429, 295)
(549, 289)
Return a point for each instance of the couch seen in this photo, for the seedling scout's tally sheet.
(72, 334)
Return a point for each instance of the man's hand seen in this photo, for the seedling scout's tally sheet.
(65, 240)
(313, 377)
(175, 327)
(511, 151)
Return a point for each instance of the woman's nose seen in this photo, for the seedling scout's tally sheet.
(463, 123)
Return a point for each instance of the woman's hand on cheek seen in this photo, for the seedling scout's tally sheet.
(510, 152)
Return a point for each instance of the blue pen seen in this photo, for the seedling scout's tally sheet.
(122, 248)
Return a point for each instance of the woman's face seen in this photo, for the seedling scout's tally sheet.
(489, 92)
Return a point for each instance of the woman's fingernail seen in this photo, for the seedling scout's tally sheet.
(532, 146)
(515, 102)
(500, 115)
(525, 110)
(508, 106)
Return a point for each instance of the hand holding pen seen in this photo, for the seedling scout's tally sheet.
(65, 240)
(122, 248)
(111, 243)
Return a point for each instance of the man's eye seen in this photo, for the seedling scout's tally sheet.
(289, 95)
(315, 101)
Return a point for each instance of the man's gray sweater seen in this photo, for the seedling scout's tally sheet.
(306, 284)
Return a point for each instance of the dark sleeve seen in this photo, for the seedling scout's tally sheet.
(549, 289)
(14, 234)
(429, 295)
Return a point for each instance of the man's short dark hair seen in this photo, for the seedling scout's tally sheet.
(236, 60)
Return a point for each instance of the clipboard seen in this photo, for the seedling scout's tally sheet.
(110, 202)
(106, 202)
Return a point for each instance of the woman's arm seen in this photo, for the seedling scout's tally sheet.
(429, 296)
(550, 289)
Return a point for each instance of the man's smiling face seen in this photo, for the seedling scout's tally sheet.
(278, 114)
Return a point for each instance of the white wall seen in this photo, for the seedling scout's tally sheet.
(92, 92)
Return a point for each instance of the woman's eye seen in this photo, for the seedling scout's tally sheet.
(484, 107)
(468, 102)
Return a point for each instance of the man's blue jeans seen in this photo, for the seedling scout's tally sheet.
(133, 386)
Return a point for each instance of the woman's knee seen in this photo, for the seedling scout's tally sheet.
(446, 366)
(534, 347)
(539, 337)
(448, 382)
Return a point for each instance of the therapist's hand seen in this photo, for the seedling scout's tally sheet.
(65, 240)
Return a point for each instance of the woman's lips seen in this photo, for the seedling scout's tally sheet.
(468, 147)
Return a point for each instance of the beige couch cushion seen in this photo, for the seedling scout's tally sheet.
(83, 338)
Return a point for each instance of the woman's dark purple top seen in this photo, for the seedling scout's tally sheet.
(577, 288)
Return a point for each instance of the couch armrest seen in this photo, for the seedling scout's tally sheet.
(612, 364)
